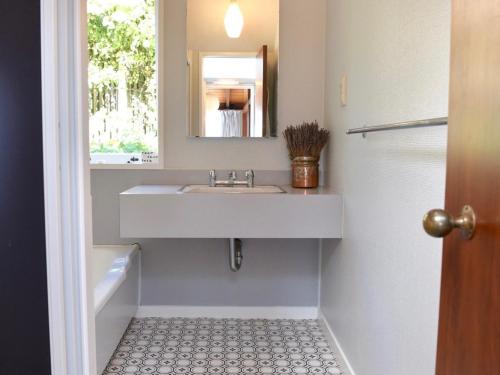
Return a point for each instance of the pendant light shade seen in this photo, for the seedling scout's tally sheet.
(233, 20)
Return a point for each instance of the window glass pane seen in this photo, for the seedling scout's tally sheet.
(123, 115)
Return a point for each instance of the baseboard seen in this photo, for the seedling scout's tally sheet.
(335, 345)
(221, 312)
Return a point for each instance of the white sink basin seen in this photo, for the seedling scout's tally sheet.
(232, 189)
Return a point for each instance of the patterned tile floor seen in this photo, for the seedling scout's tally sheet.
(227, 346)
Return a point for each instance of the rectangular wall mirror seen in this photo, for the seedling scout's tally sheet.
(232, 63)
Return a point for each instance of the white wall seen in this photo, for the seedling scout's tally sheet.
(300, 91)
(380, 284)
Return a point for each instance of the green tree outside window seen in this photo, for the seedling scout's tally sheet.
(122, 76)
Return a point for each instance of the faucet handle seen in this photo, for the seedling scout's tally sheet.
(249, 174)
(212, 178)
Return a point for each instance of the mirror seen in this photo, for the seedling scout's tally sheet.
(232, 63)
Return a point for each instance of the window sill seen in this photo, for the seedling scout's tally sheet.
(126, 166)
(123, 161)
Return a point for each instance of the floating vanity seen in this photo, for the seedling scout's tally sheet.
(199, 211)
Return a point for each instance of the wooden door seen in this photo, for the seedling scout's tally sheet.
(261, 93)
(24, 337)
(469, 321)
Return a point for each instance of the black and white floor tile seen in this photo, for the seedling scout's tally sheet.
(226, 346)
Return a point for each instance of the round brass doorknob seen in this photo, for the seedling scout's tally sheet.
(439, 223)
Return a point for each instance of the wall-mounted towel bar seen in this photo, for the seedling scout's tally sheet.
(400, 125)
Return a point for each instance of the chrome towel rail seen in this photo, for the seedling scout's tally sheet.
(440, 121)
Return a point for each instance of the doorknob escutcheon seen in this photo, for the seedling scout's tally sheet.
(439, 223)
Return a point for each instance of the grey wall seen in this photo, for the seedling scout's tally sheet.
(196, 272)
(380, 284)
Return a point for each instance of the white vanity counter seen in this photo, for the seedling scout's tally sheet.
(162, 211)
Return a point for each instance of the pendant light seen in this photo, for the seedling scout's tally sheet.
(233, 20)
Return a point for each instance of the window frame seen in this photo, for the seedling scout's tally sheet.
(160, 39)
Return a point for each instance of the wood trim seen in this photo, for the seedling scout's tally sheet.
(265, 106)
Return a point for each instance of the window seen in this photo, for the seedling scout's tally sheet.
(123, 82)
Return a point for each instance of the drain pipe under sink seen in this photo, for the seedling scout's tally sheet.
(235, 254)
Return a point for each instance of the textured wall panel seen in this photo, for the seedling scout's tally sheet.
(380, 284)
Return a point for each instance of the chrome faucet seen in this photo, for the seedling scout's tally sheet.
(212, 178)
(250, 176)
(232, 179)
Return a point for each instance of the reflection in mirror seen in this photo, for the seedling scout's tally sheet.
(232, 79)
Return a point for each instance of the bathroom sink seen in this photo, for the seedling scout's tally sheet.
(232, 189)
(177, 211)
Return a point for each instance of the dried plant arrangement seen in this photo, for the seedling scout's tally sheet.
(306, 140)
(305, 143)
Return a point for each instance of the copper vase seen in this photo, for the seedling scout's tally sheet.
(305, 172)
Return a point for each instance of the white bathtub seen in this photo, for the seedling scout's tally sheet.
(115, 274)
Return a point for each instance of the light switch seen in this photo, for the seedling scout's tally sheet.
(343, 91)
